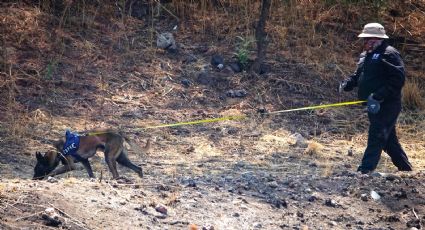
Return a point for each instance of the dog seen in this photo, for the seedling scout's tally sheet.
(111, 142)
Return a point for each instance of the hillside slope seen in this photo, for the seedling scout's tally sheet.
(83, 65)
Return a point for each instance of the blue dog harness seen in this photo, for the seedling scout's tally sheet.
(72, 143)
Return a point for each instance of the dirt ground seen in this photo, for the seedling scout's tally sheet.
(232, 175)
(213, 190)
(286, 171)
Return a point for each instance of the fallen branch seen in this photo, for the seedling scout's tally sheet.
(174, 222)
(25, 217)
(13, 206)
(41, 206)
(77, 222)
(414, 213)
(116, 191)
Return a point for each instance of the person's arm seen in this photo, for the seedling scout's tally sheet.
(352, 80)
(394, 74)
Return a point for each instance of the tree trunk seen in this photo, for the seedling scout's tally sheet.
(261, 36)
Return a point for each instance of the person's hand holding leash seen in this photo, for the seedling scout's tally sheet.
(373, 105)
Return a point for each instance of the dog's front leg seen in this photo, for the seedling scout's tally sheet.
(62, 169)
(87, 166)
(68, 165)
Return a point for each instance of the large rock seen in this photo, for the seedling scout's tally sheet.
(298, 140)
(217, 61)
(166, 41)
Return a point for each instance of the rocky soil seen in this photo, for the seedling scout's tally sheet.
(285, 171)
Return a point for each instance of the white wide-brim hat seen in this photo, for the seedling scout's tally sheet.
(373, 30)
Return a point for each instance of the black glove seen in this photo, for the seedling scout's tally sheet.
(373, 105)
(342, 86)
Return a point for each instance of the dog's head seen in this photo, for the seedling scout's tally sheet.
(59, 145)
(46, 163)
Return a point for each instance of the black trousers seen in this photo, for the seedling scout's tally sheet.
(382, 136)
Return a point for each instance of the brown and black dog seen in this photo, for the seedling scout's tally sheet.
(111, 142)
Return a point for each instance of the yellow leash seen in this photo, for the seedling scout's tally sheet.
(318, 107)
(240, 117)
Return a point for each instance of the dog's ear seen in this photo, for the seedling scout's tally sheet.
(38, 156)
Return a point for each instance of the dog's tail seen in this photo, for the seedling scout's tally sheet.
(141, 150)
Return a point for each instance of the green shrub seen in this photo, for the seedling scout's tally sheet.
(243, 50)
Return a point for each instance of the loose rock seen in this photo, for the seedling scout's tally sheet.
(330, 203)
(52, 179)
(166, 41)
(217, 61)
(51, 217)
(236, 93)
(161, 209)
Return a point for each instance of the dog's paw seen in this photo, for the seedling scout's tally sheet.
(52, 179)
(123, 180)
(140, 174)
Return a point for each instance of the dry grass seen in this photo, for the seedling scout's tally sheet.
(70, 180)
(313, 149)
(328, 168)
(411, 135)
(277, 141)
(172, 199)
(16, 121)
(300, 30)
(412, 95)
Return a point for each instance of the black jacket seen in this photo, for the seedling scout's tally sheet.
(380, 72)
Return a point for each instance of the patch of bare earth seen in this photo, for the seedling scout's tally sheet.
(264, 181)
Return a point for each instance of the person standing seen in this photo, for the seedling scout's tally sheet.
(380, 77)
